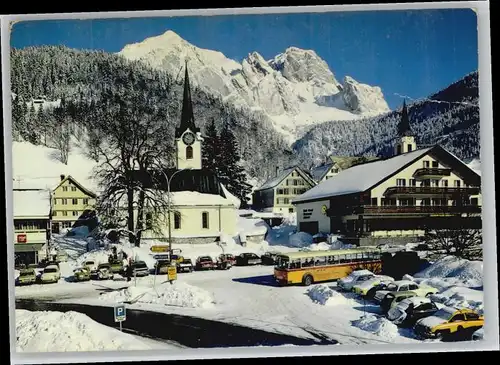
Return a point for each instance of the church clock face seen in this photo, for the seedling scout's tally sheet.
(188, 138)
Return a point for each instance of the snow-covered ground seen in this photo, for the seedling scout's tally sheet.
(72, 331)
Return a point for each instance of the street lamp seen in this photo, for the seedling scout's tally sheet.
(169, 206)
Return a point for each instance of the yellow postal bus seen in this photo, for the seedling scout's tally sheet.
(316, 266)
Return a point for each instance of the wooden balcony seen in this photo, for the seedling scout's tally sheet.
(416, 209)
(429, 173)
(430, 191)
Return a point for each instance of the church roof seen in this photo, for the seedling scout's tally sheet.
(187, 115)
(201, 181)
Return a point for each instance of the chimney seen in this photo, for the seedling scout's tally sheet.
(63, 177)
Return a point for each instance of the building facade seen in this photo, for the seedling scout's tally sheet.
(31, 225)
(69, 202)
(394, 199)
(276, 194)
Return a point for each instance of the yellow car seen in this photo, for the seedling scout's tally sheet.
(447, 321)
(26, 277)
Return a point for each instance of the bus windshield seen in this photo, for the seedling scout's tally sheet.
(282, 262)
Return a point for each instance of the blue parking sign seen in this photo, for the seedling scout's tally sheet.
(120, 313)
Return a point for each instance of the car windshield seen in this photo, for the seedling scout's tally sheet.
(89, 263)
(394, 313)
(140, 264)
(27, 273)
(50, 269)
(187, 261)
(445, 315)
(205, 258)
(392, 287)
(104, 266)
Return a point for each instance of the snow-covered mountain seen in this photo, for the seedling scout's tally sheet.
(296, 89)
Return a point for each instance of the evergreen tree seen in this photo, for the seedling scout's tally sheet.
(211, 149)
(232, 174)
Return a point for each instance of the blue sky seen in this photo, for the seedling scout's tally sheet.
(413, 53)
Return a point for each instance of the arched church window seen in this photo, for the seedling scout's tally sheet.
(204, 220)
(177, 220)
(189, 152)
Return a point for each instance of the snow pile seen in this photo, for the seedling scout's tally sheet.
(461, 297)
(252, 226)
(461, 272)
(300, 239)
(324, 295)
(70, 331)
(377, 325)
(177, 294)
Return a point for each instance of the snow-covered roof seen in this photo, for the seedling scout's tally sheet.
(319, 172)
(31, 203)
(193, 198)
(273, 182)
(360, 178)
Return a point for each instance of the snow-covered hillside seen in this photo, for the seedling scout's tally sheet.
(295, 89)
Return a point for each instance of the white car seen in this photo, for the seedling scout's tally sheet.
(365, 288)
(50, 274)
(354, 278)
(404, 285)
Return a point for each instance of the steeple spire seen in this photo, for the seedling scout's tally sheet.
(187, 115)
(404, 124)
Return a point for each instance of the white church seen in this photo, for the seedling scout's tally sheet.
(202, 210)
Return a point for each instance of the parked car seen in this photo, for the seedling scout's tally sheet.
(50, 274)
(269, 258)
(139, 268)
(185, 266)
(204, 263)
(449, 321)
(392, 299)
(90, 264)
(81, 274)
(405, 285)
(354, 278)
(116, 266)
(103, 272)
(26, 277)
(247, 259)
(410, 310)
(223, 263)
(478, 335)
(368, 287)
(230, 257)
(161, 267)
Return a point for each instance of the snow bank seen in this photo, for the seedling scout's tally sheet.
(377, 325)
(462, 272)
(252, 226)
(176, 294)
(461, 297)
(70, 331)
(324, 295)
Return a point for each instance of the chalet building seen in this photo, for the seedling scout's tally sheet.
(202, 210)
(395, 199)
(336, 164)
(31, 225)
(70, 201)
(277, 193)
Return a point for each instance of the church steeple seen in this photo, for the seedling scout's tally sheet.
(404, 129)
(405, 141)
(187, 115)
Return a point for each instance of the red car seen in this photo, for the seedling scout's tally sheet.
(225, 261)
(205, 263)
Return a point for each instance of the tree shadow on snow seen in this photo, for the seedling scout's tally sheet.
(265, 280)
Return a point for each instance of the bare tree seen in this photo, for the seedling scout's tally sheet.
(137, 138)
(462, 243)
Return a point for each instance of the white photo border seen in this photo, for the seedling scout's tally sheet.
(491, 337)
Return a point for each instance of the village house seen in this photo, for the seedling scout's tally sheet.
(394, 200)
(31, 210)
(70, 200)
(335, 165)
(276, 194)
(202, 209)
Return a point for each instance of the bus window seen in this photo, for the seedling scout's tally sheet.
(342, 259)
(330, 259)
(283, 262)
(320, 261)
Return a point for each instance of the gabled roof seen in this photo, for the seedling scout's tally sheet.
(275, 181)
(363, 177)
(80, 186)
(201, 181)
(319, 172)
